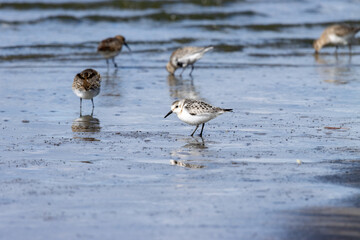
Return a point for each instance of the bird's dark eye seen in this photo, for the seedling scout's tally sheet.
(176, 106)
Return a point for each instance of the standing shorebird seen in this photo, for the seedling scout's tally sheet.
(338, 34)
(86, 85)
(111, 47)
(195, 112)
(185, 56)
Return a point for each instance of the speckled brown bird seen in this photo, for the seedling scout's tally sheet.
(111, 47)
(338, 34)
(86, 85)
(185, 56)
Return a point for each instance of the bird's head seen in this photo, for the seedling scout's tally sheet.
(317, 45)
(121, 39)
(176, 107)
(170, 68)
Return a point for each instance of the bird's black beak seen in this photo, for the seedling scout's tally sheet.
(168, 113)
(127, 46)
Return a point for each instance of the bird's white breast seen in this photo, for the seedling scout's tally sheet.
(86, 94)
(186, 117)
(191, 58)
(109, 54)
(335, 39)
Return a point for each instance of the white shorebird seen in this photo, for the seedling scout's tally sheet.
(195, 112)
(111, 47)
(338, 34)
(185, 56)
(86, 85)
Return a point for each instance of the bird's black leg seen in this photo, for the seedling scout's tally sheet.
(336, 49)
(92, 101)
(80, 107)
(93, 106)
(183, 70)
(107, 63)
(113, 60)
(350, 48)
(192, 69)
(194, 130)
(202, 128)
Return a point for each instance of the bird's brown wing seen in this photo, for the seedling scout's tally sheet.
(181, 55)
(110, 44)
(199, 107)
(343, 30)
(87, 80)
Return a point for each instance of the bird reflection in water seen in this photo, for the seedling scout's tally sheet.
(182, 88)
(195, 143)
(335, 69)
(193, 151)
(111, 87)
(86, 124)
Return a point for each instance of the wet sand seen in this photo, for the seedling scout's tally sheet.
(111, 173)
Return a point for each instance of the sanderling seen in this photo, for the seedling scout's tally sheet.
(111, 47)
(185, 56)
(195, 112)
(86, 85)
(338, 34)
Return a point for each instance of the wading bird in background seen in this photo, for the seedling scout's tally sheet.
(111, 47)
(185, 56)
(338, 34)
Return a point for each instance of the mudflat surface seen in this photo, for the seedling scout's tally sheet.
(283, 165)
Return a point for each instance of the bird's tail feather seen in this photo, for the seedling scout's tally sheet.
(208, 48)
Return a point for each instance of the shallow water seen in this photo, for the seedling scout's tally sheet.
(70, 177)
